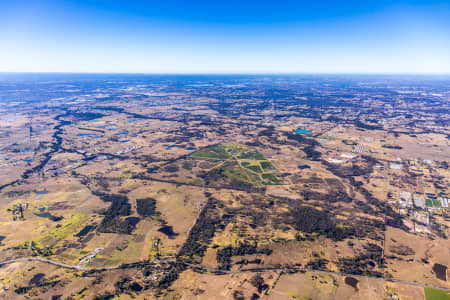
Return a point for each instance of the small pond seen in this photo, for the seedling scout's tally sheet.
(301, 130)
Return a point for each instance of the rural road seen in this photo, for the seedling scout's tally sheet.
(215, 271)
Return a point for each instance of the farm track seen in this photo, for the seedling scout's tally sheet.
(214, 271)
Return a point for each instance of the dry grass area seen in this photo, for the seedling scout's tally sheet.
(411, 257)
(309, 285)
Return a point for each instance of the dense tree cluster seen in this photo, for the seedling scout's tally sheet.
(309, 144)
(318, 264)
(172, 168)
(313, 221)
(146, 207)
(310, 220)
(360, 124)
(364, 263)
(170, 276)
(331, 197)
(202, 232)
(258, 282)
(225, 254)
(126, 284)
(113, 221)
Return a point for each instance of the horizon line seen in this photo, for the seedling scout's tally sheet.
(226, 73)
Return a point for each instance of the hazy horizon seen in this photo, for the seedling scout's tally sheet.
(229, 73)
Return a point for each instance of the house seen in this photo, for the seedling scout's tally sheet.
(22, 206)
(395, 166)
(419, 201)
(444, 202)
(406, 197)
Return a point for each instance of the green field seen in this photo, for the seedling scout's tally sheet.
(435, 294)
(216, 152)
(267, 166)
(251, 155)
(272, 178)
(436, 203)
(253, 166)
(240, 174)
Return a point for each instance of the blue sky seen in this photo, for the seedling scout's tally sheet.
(230, 36)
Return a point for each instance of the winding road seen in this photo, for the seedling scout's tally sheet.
(203, 268)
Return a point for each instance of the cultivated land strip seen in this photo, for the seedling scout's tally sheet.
(203, 268)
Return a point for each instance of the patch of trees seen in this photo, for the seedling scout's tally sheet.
(392, 147)
(102, 182)
(44, 251)
(119, 204)
(349, 142)
(127, 285)
(15, 194)
(440, 271)
(244, 186)
(313, 221)
(116, 225)
(105, 296)
(188, 165)
(332, 196)
(225, 254)
(258, 282)
(268, 132)
(21, 290)
(335, 183)
(309, 143)
(402, 250)
(146, 207)
(347, 172)
(149, 158)
(392, 218)
(86, 116)
(360, 124)
(364, 263)
(90, 129)
(318, 264)
(336, 119)
(255, 217)
(245, 261)
(440, 229)
(238, 295)
(55, 218)
(213, 175)
(36, 278)
(169, 277)
(202, 232)
(353, 282)
(311, 153)
(171, 168)
(113, 221)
